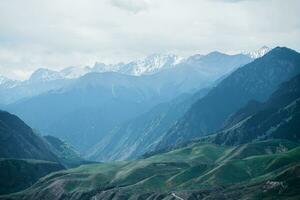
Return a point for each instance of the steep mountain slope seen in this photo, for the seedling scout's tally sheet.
(18, 174)
(200, 169)
(24, 155)
(279, 117)
(256, 80)
(17, 140)
(66, 154)
(134, 138)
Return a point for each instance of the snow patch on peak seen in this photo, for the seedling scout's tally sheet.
(101, 67)
(7, 83)
(151, 64)
(43, 74)
(74, 72)
(3, 79)
(258, 53)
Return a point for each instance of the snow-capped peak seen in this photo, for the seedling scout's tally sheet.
(258, 53)
(3, 79)
(151, 64)
(7, 83)
(101, 67)
(43, 74)
(74, 72)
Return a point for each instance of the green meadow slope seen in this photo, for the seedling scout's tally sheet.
(198, 171)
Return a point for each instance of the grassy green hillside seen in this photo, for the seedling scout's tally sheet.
(199, 169)
(17, 174)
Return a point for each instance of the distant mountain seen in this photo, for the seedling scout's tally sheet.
(148, 65)
(3, 80)
(258, 53)
(141, 134)
(44, 80)
(74, 72)
(256, 80)
(16, 90)
(92, 105)
(279, 117)
(7, 83)
(151, 64)
(43, 75)
(17, 140)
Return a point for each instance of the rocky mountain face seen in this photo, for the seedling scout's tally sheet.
(255, 81)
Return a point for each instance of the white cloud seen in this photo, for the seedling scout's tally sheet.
(134, 6)
(59, 33)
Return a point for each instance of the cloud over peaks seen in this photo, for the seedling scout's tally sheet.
(134, 6)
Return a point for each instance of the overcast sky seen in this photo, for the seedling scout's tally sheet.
(60, 33)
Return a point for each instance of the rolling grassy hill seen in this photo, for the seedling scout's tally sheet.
(198, 169)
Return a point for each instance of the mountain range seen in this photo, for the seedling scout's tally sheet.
(92, 105)
(207, 128)
(254, 81)
(46, 79)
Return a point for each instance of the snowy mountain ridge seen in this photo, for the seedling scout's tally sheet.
(258, 53)
(7, 83)
(151, 64)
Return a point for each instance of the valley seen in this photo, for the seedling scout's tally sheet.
(115, 136)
